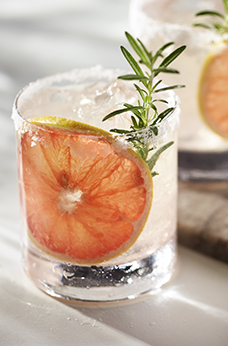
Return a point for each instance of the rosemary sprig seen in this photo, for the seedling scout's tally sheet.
(145, 115)
(214, 20)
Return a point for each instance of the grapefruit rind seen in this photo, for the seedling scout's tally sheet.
(50, 243)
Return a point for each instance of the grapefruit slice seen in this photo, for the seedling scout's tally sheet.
(85, 197)
(213, 92)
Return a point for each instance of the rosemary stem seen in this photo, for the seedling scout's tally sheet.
(225, 3)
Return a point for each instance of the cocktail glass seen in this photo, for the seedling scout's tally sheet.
(96, 225)
(203, 133)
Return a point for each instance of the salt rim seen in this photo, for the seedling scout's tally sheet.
(71, 76)
(169, 124)
(145, 26)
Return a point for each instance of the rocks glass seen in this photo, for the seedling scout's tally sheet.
(97, 224)
(203, 134)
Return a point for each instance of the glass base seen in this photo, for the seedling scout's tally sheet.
(197, 166)
(100, 283)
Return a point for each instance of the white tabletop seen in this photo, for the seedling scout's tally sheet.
(38, 38)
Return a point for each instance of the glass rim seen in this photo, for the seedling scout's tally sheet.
(138, 14)
(169, 122)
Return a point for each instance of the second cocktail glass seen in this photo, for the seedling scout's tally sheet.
(203, 134)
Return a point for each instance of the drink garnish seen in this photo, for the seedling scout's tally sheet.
(214, 20)
(212, 93)
(92, 197)
(145, 115)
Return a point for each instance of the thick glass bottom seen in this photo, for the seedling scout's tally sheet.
(100, 283)
(197, 166)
